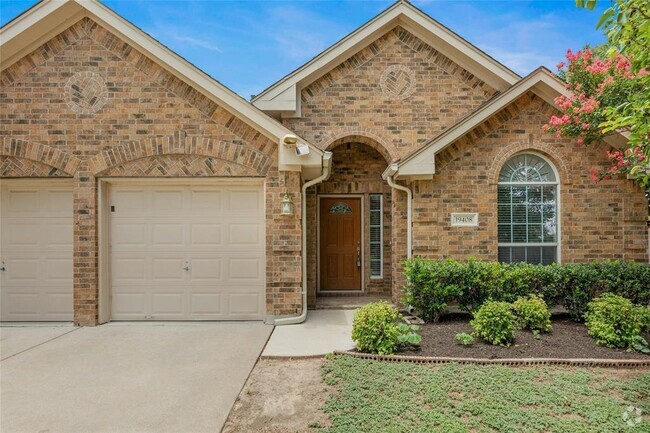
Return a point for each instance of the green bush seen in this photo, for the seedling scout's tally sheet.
(532, 313)
(494, 322)
(613, 321)
(431, 289)
(644, 313)
(433, 285)
(408, 335)
(464, 339)
(374, 328)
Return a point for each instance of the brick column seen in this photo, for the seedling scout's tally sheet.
(284, 244)
(398, 242)
(85, 248)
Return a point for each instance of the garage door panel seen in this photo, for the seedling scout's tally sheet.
(166, 269)
(206, 304)
(244, 303)
(168, 304)
(58, 303)
(216, 232)
(22, 270)
(128, 234)
(58, 234)
(207, 270)
(245, 269)
(58, 269)
(168, 234)
(166, 202)
(129, 203)
(206, 234)
(23, 234)
(23, 202)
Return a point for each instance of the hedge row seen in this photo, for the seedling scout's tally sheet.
(432, 285)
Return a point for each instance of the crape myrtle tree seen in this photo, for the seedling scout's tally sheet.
(610, 90)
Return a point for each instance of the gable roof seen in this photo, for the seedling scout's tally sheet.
(284, 96)
(47, 19)
(542, 82)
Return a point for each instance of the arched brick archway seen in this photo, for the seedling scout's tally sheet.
(557, 158)
(368, 138)
(40, 153)
(180, 145)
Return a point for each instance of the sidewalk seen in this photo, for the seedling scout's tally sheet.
(323, 332)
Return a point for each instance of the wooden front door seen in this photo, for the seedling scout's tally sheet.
(340, 243)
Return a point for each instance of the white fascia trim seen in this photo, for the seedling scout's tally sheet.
(169, 60)
(413, 20)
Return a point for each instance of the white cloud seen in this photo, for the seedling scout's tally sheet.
(195, 42)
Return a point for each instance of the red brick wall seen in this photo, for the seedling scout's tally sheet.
(133, 119)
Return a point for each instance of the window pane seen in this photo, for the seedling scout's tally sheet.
(504, 254)
(549, 255)
(518, 254)
(534, 233)
(375, 235)
(534, 255)
(504, 214)
(519, 233)
(505, 234)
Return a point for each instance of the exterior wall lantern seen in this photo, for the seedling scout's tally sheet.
(286, 205)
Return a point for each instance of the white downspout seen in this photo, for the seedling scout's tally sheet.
(327, 165)
(388, 175)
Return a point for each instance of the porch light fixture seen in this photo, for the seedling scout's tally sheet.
(286, 205)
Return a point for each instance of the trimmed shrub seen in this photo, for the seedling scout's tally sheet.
(613, 321)
(532, 313)
(374, 328)
(429, 287)
(494, 323)
(433, 285)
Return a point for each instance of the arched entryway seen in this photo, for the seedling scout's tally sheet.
(349, 226)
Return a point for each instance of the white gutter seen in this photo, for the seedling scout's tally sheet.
(388, 175)
(327, 166)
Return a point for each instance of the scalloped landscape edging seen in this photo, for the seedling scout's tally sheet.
(515, 362)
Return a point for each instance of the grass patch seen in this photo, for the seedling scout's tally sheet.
(374, 396)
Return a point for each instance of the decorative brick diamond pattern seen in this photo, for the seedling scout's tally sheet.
(397, 82)
(86, 92)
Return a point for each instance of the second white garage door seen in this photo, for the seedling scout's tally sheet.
(187, 252)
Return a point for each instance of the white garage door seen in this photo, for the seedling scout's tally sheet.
(187, 252)
(36, 251)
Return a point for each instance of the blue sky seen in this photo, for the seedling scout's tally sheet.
(248, 45)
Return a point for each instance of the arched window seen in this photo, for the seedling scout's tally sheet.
(528, 210)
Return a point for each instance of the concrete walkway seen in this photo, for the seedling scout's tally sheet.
(171, 377)
(323, 332)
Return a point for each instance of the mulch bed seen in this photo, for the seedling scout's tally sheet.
(566, 340)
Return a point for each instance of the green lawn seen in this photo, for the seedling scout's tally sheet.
(372, 396)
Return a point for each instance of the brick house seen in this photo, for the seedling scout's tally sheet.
(136, 187)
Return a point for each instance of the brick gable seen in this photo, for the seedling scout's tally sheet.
(398, 89)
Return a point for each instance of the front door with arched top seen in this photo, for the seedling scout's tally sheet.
(340, 243)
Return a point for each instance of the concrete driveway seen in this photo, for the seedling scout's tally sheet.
(170, 377)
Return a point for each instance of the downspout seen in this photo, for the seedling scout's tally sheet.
(388, 175)
(327, 165)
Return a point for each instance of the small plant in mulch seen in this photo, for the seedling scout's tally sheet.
(464, 339)
(532, 313)
(494, 322)
(408, 335)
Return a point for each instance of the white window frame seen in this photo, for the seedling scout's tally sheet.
(381, 236)
(558, 215)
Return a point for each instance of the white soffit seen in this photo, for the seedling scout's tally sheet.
(49, 18)
(541, 82)
(283, 96)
